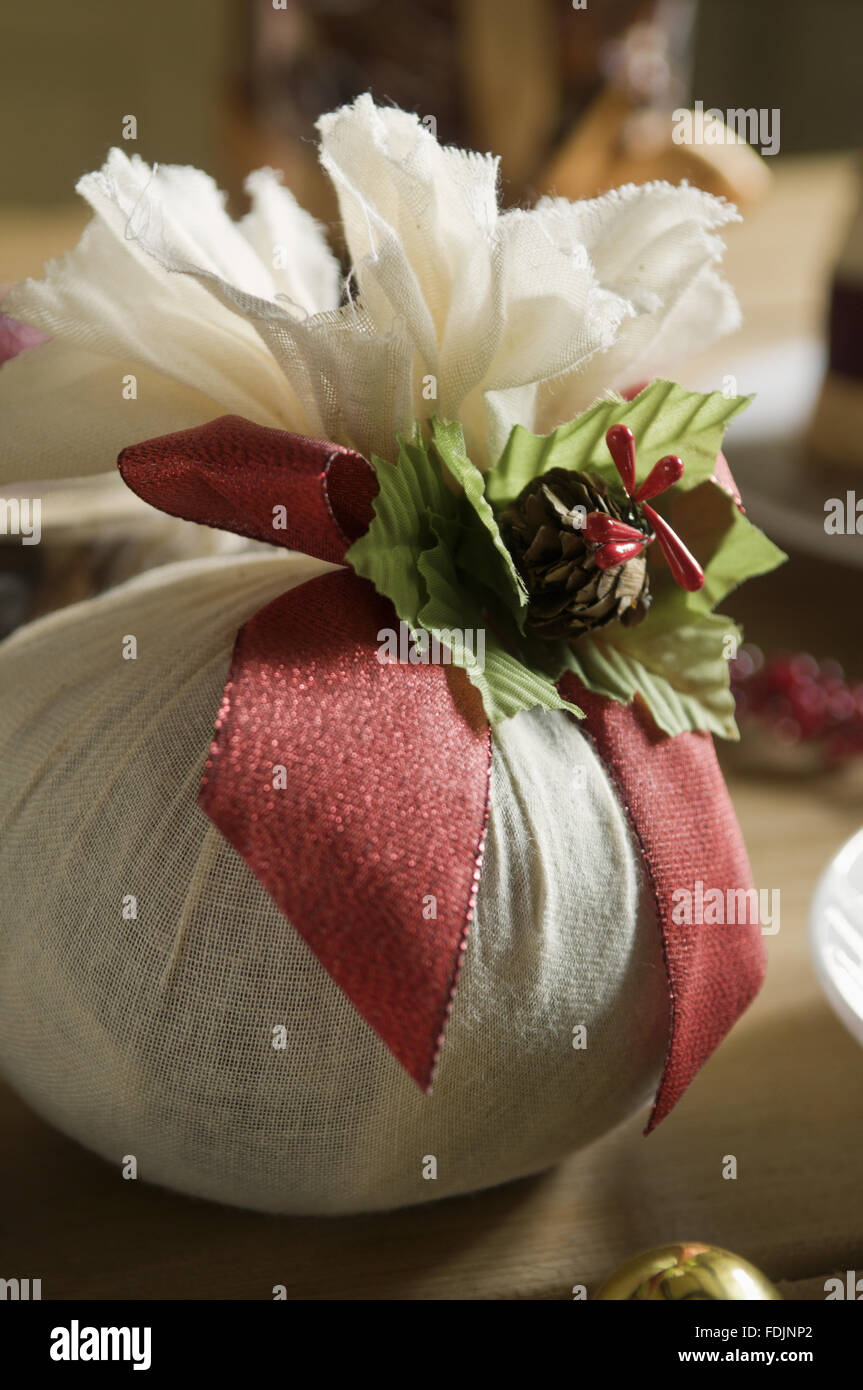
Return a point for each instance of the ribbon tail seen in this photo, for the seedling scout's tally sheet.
(266, 484)
(356, 789)
(684, 824)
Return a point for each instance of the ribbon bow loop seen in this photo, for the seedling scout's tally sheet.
(265, 484)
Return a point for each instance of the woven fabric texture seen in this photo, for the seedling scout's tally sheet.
(154, 1035)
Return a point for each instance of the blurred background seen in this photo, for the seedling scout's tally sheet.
(224, 84)
(576, 98)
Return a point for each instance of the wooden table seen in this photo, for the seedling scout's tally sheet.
(784, 1094)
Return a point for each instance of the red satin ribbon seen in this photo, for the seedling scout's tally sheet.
(357, 791)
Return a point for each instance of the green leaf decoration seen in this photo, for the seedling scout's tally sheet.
(435, 550)
(664, 418)
(410, 492)
(712, 525)
(677, 660)
(411, 554)
(680, 669)
(508, 686)
(491, 564)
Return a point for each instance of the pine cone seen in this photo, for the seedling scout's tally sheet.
(569, 593)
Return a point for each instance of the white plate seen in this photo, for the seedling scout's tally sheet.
(837, 934)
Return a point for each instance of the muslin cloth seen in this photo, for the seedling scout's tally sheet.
(153, 1035)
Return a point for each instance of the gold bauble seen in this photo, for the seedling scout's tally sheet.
(688, 1271)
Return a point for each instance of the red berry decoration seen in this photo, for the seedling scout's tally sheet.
(685, 568)
(581, 549)
(599, 527)
(803, 702)
(618, 552)
(618, 542)
(621, 446)
(662, 476)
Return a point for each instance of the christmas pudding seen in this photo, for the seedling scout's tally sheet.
(339, 875)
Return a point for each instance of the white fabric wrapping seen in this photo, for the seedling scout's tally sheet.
(520, 317)
(153, 1036)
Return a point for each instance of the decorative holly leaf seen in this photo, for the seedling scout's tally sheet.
(411, 555)
(409, 493)
(664, 418)
(506, 684)
(437, 552)
(491, 564)
(677, 660)
(677, 664)
(734, 550)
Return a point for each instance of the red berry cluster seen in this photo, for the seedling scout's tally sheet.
(801, 700)
(619, 542)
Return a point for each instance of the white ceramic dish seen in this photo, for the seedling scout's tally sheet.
(837, 933)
